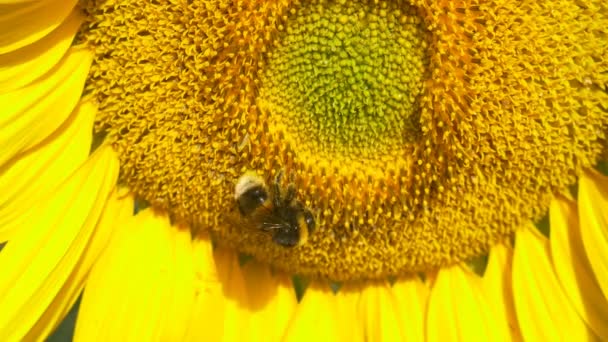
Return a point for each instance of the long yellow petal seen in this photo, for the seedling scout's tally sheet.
(412, 297)
(573, 269)
(350, 321)
(206, 321)
(324, 316)
(235, 303)
(21, 67)
(543, 310)
(496, 283)
(178, 305)
(11, 2)
(23, 23)
(118, 209)
(30, 178)
(272, 301)
(41, 257)
(593, 211)
(29, 115)
(459, 310)
(237, 321)
(131, 291)
(381, 315)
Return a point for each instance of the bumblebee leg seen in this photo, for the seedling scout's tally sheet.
(290, 194)
(278, 177)
(276, 199)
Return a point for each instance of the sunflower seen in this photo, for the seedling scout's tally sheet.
(450, 153)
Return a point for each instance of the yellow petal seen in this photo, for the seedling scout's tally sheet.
(573, 269)
(496, 283)
(381, 315)
(593, 212)
(41, 257)
(179, 306)
(206, 321)
(29, 115)
(9, 2)
(543, 311)
(30, 178)
(237, 307)
(272, 301)
(21, 67)
(118, 209)
(412, 297)
(323, 316)
(459, 311)
(350, 321)
(23, 23)
(131, 292)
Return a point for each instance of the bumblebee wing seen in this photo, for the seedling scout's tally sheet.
(266, 219)
(260, 219)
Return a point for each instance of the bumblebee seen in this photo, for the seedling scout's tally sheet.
(272, 211)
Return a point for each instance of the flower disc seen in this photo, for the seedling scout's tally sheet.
(418, 133)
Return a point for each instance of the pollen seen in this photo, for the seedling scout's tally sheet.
(418, 133)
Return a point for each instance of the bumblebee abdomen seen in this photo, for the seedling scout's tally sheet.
(303, 228)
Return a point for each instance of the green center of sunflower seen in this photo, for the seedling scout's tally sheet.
(416, 135)
(345, 77)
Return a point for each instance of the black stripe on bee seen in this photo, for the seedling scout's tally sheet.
(273, 211)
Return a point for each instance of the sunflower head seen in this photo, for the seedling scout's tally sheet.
(418, 134)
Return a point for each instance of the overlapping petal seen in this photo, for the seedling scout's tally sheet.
(22, 23)
(142, 286)
(21, 67)
(206, 322)
(33, 175)
(544, 313)
(382, 320)
(237, 319)
(393, 313)
(573, 269)
(117, 210)
(256, 304)
(412, 298)
(460, 311)
(272, 302)
(40, 258)
(178, 301)
(33, 113)
(593, 212)
(325, 316)
(496, 283)
(9, 2)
